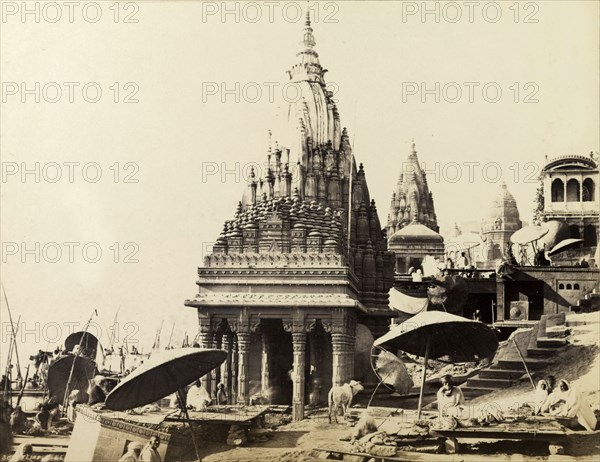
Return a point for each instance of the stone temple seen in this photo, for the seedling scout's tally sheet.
(302, 267)
(412, 228)
(501, 223)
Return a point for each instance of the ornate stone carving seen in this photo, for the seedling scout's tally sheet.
(109, 419)
(245, 299)
(273, 259)
(299, 326)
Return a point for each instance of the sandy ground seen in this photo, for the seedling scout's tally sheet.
(579, 364)
(292, 442)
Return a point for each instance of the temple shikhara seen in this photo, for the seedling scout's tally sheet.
(302, 265)
(412, 228)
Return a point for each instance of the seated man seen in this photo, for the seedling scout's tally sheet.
(450, 398)
(150, 451)
(197, 397)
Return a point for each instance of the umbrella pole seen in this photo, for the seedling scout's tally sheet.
(189, 422)
(424, 375)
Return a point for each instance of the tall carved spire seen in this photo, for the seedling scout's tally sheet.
(307, 66)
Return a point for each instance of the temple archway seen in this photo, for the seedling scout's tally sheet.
(572, 190)
(558, 190)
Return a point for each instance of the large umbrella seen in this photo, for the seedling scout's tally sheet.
(88, 344)
(434, 334)
(80, 370)
(564, 245)
(165, 373)
(528, 235)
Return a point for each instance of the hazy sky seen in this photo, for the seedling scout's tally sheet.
(172, 164)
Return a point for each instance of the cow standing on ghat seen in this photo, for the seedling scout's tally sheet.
(341, 396)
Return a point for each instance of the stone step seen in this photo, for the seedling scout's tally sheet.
(478, 382)
(541, 352)
(506, 374)
(474, 392)
(517, 364)
(558, 331)
(551, 342)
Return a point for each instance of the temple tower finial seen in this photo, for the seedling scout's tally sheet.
(308, 39)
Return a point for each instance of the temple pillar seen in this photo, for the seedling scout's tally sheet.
(299, 348)
(298, 327)
(337, 377)
(205, 341)
(234, 369)
(264, 367)
(215, 373)
(243, 344)
(226, 366)
(343, 332)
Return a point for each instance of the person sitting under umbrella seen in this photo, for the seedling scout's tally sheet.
(221, 394)
(197, 397)
(450, 398)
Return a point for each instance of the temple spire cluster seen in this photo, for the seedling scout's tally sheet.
(311, 197)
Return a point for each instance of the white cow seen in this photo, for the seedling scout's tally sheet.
(341, 396)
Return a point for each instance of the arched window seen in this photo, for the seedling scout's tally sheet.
(589, 190)
(574, 231)
(561, 286)
(558, 191)
(590, 238)
(575, 286)
(568, 286)
(572, 190)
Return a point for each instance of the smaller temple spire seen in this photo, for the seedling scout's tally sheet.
(308, 40)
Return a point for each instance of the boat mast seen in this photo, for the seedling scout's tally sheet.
(113, 333)
(13, 347)
(170, 337)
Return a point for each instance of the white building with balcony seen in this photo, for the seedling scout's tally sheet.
(571, 195)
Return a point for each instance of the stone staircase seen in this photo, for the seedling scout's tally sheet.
(537, 346)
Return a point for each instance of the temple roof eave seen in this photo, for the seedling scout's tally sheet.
(275, 301)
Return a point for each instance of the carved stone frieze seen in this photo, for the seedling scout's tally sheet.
(273, 259)
(293, 299)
